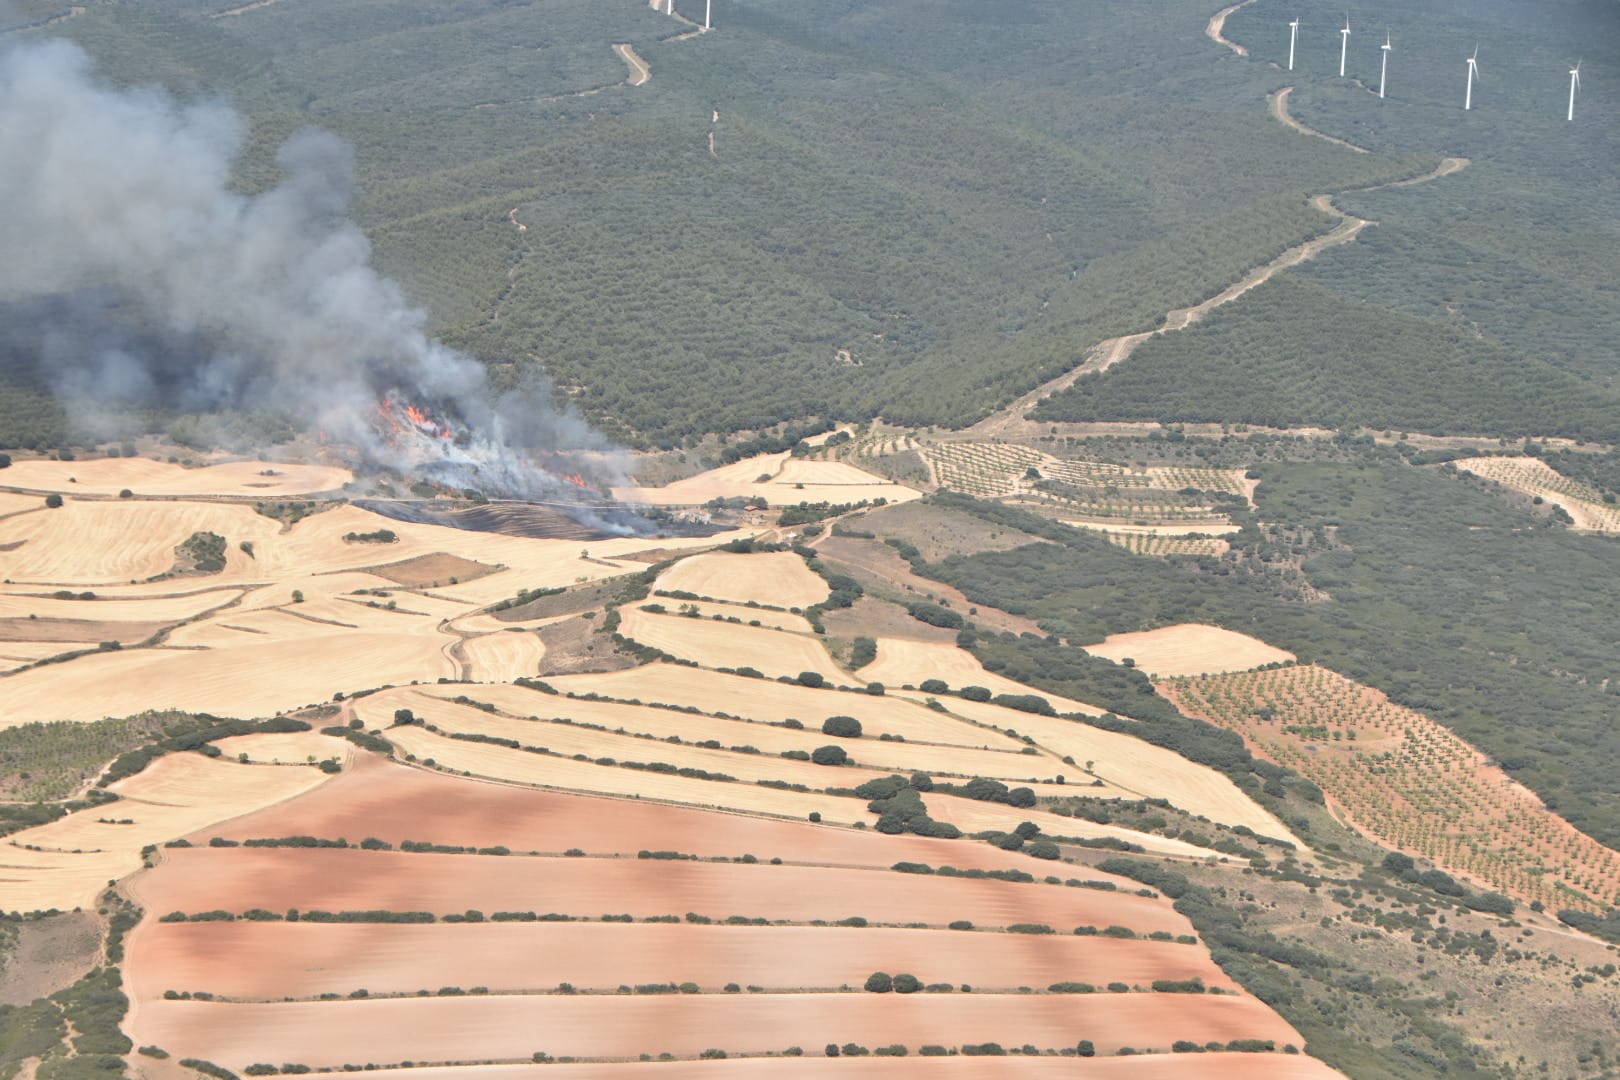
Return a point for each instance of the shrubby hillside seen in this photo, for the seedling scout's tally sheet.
(906, 211)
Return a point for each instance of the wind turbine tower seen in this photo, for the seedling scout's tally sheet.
(1344, 43)
(1574, 85)
(1293, 38)
(1473, 73)
(1383, 70)
(708, 7)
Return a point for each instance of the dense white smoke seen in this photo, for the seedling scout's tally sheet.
(120, 198)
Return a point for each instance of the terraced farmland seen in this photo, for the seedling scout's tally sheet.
(557, 934)
(1408, 781)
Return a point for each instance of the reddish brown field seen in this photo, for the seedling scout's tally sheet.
(238, 879)
(1151, 1067)
(440, 1029)
(385, 800)
(271, 960)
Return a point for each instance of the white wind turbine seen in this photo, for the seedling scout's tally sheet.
(1383, 70)
(1344, 43)
(708, 7)
(1293, 38)
(1574, 85)
(1473, 73)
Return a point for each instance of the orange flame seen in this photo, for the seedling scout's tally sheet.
(577, 480)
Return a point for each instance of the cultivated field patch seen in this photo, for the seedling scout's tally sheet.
(67, 863)
(778, 480)
(1408, 781)
(1536, 478)
(717, 644)
(780, 579)
(144, 476)
(509, 1027)
(1189, 649)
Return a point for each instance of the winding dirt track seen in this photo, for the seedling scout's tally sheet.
(1216, 30)
(639, 71)
(1279, 109)
(1012, 421)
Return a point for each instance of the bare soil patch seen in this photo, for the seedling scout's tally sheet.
(251, 960)
(938, 532)
(574, 646)
(877, 566)
(237, 879)
(50, 954)
(452, 1029)
(382, 799)
(875, 618)
(431, 571)
(1136, 1067)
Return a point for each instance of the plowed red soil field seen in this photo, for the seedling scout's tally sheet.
(271, 960)
(439, 1029)
(239, 879)
(384, 800)
(1154, 1067)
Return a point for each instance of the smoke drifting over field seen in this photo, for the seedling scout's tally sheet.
(114, 199)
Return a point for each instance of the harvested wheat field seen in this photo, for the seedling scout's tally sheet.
(1132, 766)
(144, 476)
(107, 543)
(272, 960)
(379, 798)
(736, 613)
(570, 739)
(1190, 649)
(780, 579)
(286, 748)
(725, 644)
(240, 879)
(68, 862)
(1002, 762)
(1227, 1066)
(260, 676)
(740, 478)
(567, 774)
(902, 662)
(779, 479)
(1408, 781)
(773, 702)
(511, 1028)
(503, 656)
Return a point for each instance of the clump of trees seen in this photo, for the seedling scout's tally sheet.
(841, 727)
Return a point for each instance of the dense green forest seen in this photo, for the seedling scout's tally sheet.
(1497, 623)
(963, 201)
(1294, 353)
(1500, 274)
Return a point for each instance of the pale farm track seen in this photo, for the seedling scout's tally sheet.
(1279, 109)
(1013, 421)
(1216, 29)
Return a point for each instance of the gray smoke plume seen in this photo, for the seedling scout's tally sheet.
(120, 198)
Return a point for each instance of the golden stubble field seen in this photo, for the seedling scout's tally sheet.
(616, 834)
